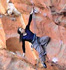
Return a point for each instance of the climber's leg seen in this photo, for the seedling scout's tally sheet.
(41, 52)
(43, 59)
(37, 46)
(43, 47)
(44, 40)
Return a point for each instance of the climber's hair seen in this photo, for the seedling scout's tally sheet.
(20, 38)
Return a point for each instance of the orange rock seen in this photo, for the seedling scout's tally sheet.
(12, 36)
(3, 6)
(2, 36)
(46, 24)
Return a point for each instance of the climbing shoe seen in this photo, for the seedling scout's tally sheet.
(44, 65)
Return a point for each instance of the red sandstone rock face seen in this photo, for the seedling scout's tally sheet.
(2, 36)
(12, 41)
(3, 6)
(48, 22)
(12, 26)
(9, 61)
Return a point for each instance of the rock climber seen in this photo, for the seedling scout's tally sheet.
(38, 43)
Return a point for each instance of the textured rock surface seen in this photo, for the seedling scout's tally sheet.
(12, 61)
(9, 61)
(50, 21)
(3, 6)
(47, 24)
(2, 36)
(12, 41)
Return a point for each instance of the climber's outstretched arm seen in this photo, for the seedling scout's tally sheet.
(30, 19)
(23, 46)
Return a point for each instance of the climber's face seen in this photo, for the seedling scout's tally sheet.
(22, 30)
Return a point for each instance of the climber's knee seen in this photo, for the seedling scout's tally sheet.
(45, 40)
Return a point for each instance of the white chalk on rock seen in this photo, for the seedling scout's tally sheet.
(13, 19)
(44, 14)
(61, 41)
(8, 1)
(32, 1)
(12, 53)
(36, 10)
(54, 59)
(1, 16)
(11, 9)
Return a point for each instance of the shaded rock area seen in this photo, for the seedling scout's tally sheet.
(49, 21)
